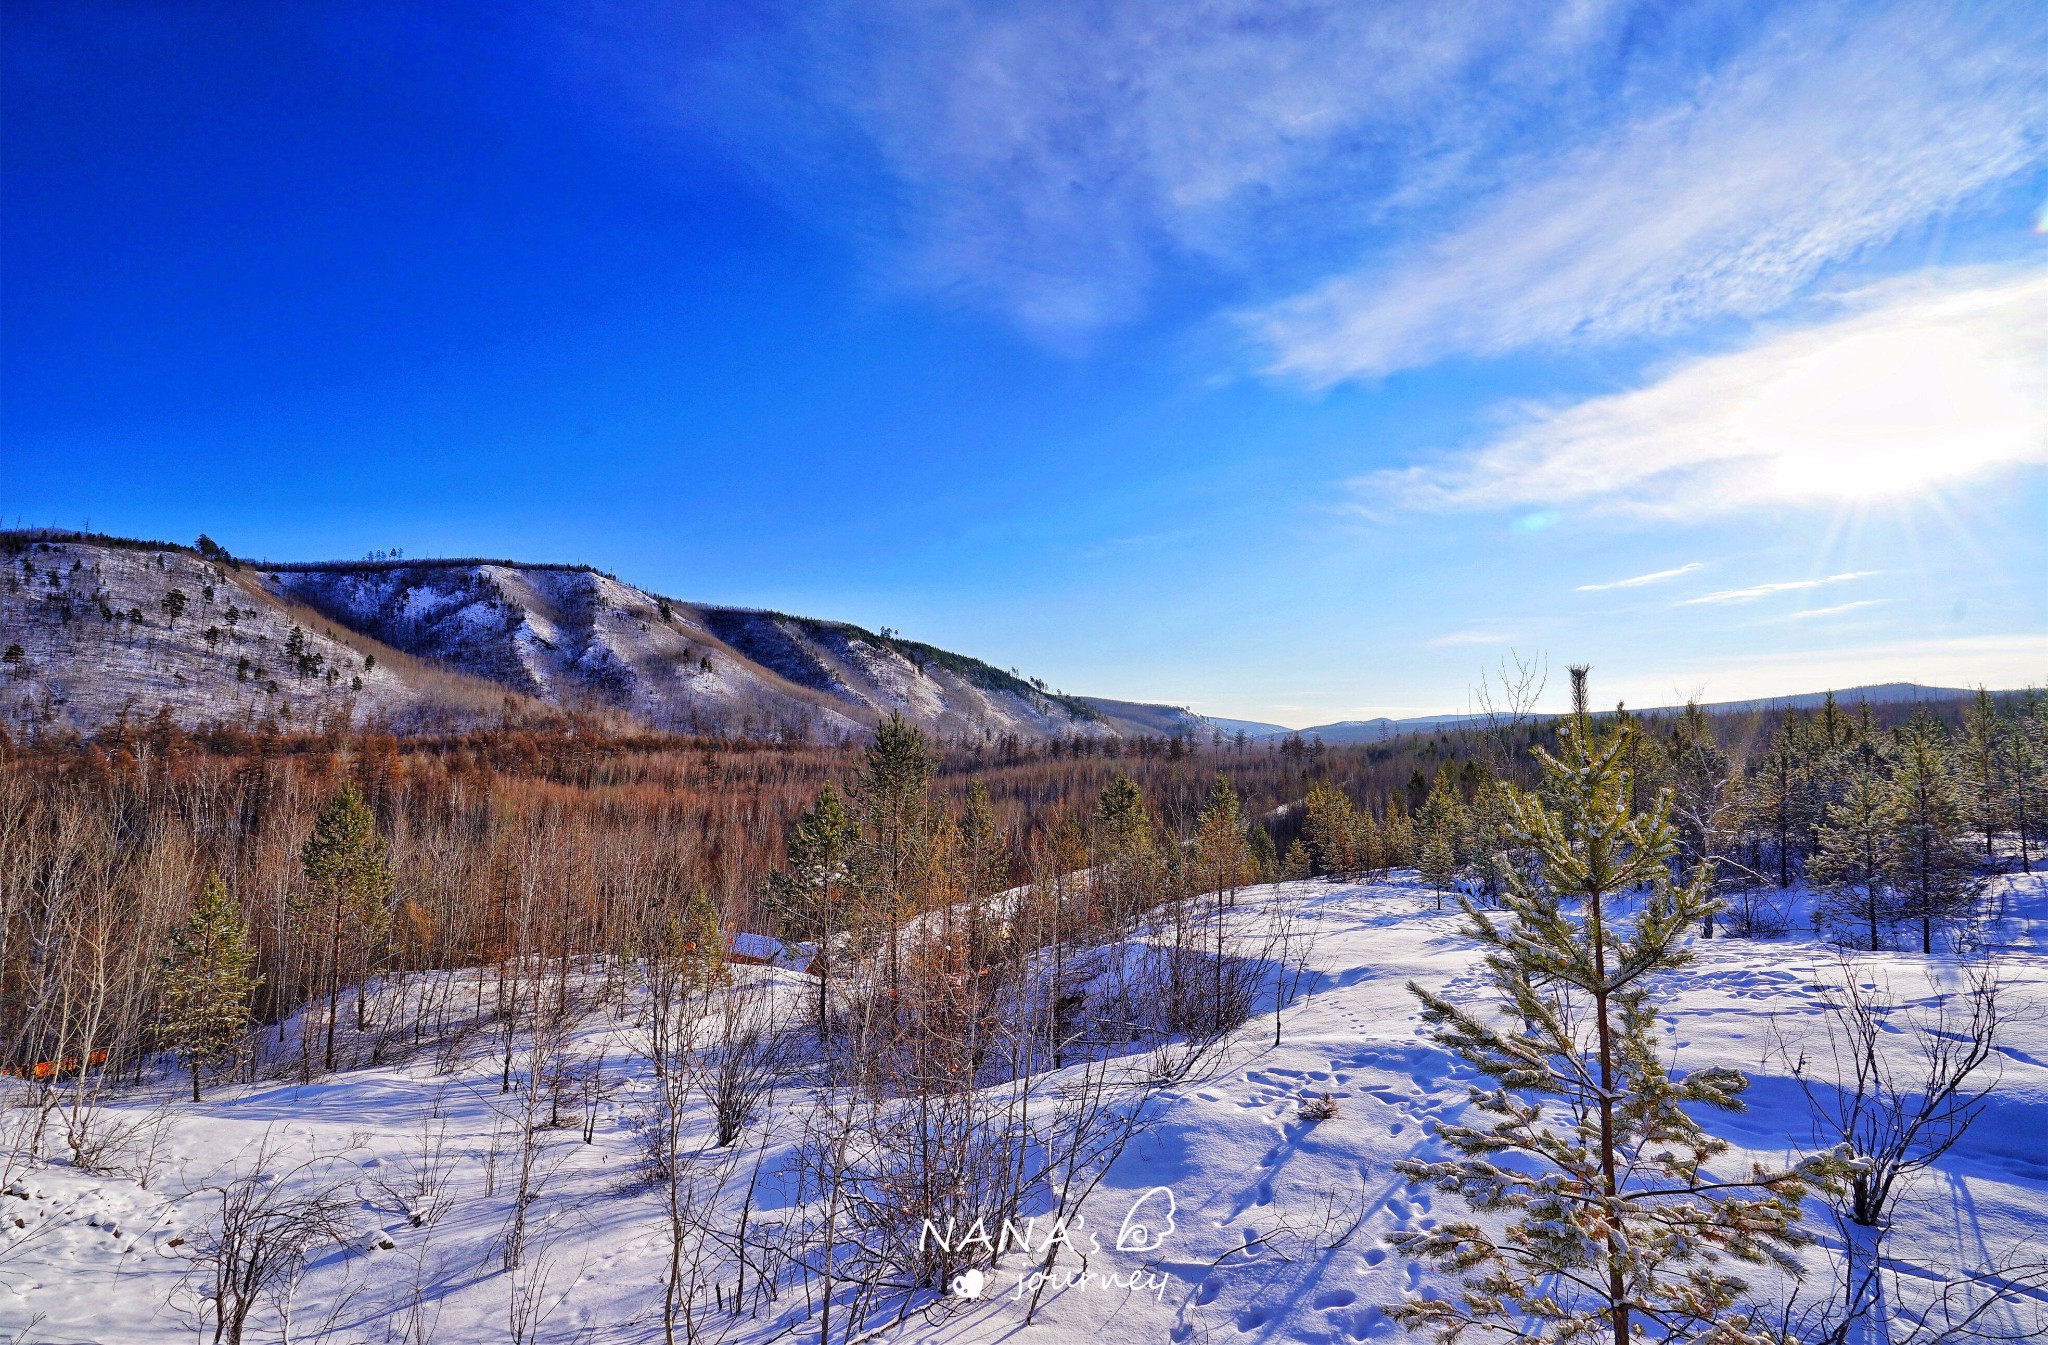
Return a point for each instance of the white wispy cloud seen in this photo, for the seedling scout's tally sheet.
(1437, 178)
(1465, 637)
(1819, 142)
(1042, 159)
(1920, 385)
(1755, 591)
(1837, 610)
(1639, 581)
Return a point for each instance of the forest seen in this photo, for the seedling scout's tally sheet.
(217, 907)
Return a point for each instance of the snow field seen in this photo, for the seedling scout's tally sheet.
(1277, 1221)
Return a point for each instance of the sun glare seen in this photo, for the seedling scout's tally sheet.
(1894, 412)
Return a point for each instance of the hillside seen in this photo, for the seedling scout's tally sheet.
(433, 643)
(96, 632)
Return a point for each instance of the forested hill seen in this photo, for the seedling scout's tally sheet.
(101, 627)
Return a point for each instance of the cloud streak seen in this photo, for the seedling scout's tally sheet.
(1642, 580)
(1755, 591)
(1837, 610)
(1919, 386)
(1423, 179)
(1813, 146)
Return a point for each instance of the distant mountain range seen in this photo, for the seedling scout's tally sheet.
(95, 628)
(1373, 730)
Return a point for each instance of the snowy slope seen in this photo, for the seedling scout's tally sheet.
(581, 639)
(1277, 1227)
(475, 631)
(570, 637)
(98, 643)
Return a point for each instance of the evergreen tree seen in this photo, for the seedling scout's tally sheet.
(1489, 838)
(1223, 857)
(1329, 830)
(204, 982)
(1223, 863)
(1439, 828)
(893, 849)
(1617, 1226)
(1824, 740)
(346, 869)
(1368, 846)
(984, 856)
(699, 945)
(809, 894)
(2027, 742)
(1772, 799)
(1698, 772)
(1121, 822)
(1397, 833)
(1265, 859)
(1931, 859)
(1297, 864)
(1127, 863)
(1983, 759)
(1853, 865)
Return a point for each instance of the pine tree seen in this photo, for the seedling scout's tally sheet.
(1618, 1227)
(1329, 830)
(345, 866)
(809, 894)
(1983, 760)
(204, 982)
(1122, 825)
(893, 850)
(1853, 864)
(984, 859)
(1439, 828)
(1772, 797)
(1487, 822)
(1397, 833)
(1265, 858)
(700, 945)
(1368, 846)
(1699, 774)
(1223, 857)
(1223, 863)
(1931, 859)
(2028, 744)
(1297, 864)
(1129, 871)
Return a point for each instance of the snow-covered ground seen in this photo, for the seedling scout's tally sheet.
(1271, 1226)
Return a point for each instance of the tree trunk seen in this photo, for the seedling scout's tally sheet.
(333, 979)
(1617, 1288)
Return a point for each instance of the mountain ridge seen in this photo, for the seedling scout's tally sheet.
(431, 642)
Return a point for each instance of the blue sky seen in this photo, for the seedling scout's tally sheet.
(1294, 362)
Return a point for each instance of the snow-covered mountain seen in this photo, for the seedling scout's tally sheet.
(434, 642)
